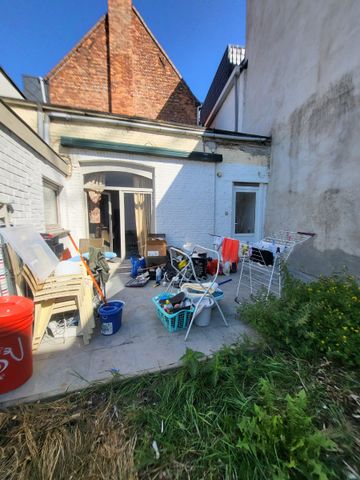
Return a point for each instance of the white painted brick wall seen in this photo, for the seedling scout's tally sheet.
(183, 194)
(21, 178)
(184, 198)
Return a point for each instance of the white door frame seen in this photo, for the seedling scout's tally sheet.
(110, 220)
(122, 191)
(260, 192)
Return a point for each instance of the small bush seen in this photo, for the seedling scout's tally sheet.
(316, 319)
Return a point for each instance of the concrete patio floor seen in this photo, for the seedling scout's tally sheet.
(141, 345)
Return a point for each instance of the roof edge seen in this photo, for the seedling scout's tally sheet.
(67, 112)
(67, 57)
(157, 43)
(21, 129)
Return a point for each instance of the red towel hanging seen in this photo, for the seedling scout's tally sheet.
(230, 250)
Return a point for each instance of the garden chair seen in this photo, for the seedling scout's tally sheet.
(61, 294)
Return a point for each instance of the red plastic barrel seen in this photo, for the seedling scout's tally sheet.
(16, 317)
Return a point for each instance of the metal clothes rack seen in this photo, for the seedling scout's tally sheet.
(262, 262)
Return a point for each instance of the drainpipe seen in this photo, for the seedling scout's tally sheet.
(46, 126)
(43, 117)
(236, 87)
(40, 121)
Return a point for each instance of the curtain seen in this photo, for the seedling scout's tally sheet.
(141, 222)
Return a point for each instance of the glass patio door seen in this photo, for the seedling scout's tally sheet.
(136, 222)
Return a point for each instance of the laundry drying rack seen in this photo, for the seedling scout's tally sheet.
(262, 262)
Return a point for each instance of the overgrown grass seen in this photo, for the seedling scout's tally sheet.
(286, 410)
(246, 413)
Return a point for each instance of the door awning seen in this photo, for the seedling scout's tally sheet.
(73, 142)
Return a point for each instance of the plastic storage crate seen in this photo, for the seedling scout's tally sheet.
(172, 321)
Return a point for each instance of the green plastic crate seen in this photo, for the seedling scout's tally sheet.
(172, 321)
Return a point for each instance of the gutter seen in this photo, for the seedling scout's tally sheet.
(156, 128)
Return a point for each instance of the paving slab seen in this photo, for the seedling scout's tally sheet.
(141, 345)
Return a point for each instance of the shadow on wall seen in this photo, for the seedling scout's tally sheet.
(180, 107)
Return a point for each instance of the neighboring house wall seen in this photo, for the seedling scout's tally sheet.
(225, 117)
(81, 78)
(25, 162)
(303, 89)
(119, 67)
(7, 87)
(228, 114)
(21, 180)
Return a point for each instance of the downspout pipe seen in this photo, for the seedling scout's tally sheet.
(43, 118)
(236, 106)
(42, 88)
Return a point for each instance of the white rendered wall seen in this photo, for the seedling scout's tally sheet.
(225, 117)
(303, 89)
(7, 89)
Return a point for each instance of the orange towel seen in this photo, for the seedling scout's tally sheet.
(230, 250)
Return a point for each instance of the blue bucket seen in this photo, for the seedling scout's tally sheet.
(110, 316)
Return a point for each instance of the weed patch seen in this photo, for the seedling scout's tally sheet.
(245, 414)
(312, 320)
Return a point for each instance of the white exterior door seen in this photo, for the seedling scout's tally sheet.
(248, 212)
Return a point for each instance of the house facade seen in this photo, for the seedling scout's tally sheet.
(185, 177)
(128, 174)
(119, 67)
(300, 84)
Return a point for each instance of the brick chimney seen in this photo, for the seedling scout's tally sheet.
(120, 56)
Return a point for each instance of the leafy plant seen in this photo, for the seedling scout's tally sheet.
(312, 320)
(190, 360)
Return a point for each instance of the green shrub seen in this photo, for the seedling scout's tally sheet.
(312, 319)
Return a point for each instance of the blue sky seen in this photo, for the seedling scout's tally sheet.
(36, 34)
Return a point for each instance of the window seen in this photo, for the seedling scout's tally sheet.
(51, 194)
(245, 206)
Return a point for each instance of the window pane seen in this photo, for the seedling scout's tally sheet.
(50, 206)
(245, 203)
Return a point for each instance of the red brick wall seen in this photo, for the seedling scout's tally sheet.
(120, 56)
(159, 93)
(81, 78)
(143, 82)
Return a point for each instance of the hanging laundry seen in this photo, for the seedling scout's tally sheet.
(230, 250)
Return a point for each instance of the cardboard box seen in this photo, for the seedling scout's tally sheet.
(155, 261)
(156, 247)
